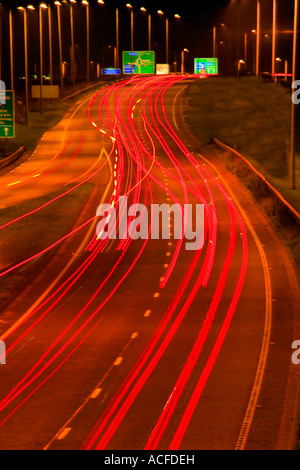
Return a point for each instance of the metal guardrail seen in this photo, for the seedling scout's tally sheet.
(270, 188)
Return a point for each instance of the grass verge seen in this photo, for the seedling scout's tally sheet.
(251, 116)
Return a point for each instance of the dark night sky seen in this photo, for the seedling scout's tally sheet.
(193, 31)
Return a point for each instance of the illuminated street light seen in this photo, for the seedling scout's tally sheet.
(274, 35)
(29, 7)
(50, 45)
(144, 10)
(182, 60)
(128, 5)
(43, 6)
(72, 42)
(58, 6)
(293, 110)
(87, 5)
(160, 12)
(258, 33)
(11, 49)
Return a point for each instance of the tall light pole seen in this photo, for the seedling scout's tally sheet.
(274, 36)
(42, 7)
(149, 32)
(50, 44)
(258, 37)
(160, 12)
(214, 40)
(30, 7)
(72, 42)
(117, 38)
(143, 9)
(182, 60)
(246, 49)
(128, 5)
(293, 110)
(58, 6)
(131, 25)
(11, 48)
(87, 6)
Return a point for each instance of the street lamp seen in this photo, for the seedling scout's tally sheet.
(29, 7)
(11, 48)
(132, 25)
(144, 10)
(87, 5)
(117, 39)
(50, 45)
(293, 110)
(274, 35)
(182, 60)
(160, 12)
(72, 41)
(58, 5)
(258, 35)
(43, 6)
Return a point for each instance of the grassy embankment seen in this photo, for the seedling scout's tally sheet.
(254, 118)
(251, 116)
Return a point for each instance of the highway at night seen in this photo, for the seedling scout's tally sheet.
(123, 344)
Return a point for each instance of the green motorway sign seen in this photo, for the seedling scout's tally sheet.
(138, 62)
(7, 115)
(208, 66)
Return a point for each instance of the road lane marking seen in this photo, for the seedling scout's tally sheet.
(63, 434)
(65, 269)
(252, 404)
(96, 393)
(134, 335)
(147, 313)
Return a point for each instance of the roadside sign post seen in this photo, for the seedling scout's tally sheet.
(139, 62)
(207, 66)
(7, 116)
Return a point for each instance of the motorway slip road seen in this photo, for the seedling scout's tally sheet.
(142, 344)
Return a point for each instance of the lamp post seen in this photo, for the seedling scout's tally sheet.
(42, 7)
(182, 60)
(274, 36)
(258, 37)
(131, 25)
(11, 48)
(87, 6)
(214, 40)
(50, 45)
(72, 42)
(160, 12)
(58, 6)
(293, 109)
(144, 10)
(117, 39)
(29, 7)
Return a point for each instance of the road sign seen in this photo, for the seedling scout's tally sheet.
(162, 69)
(7, 115)
(139, 62)
(111, 71)
(206, 66)
(48, 91)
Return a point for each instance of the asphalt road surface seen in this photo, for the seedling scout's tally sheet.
(142, 344)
